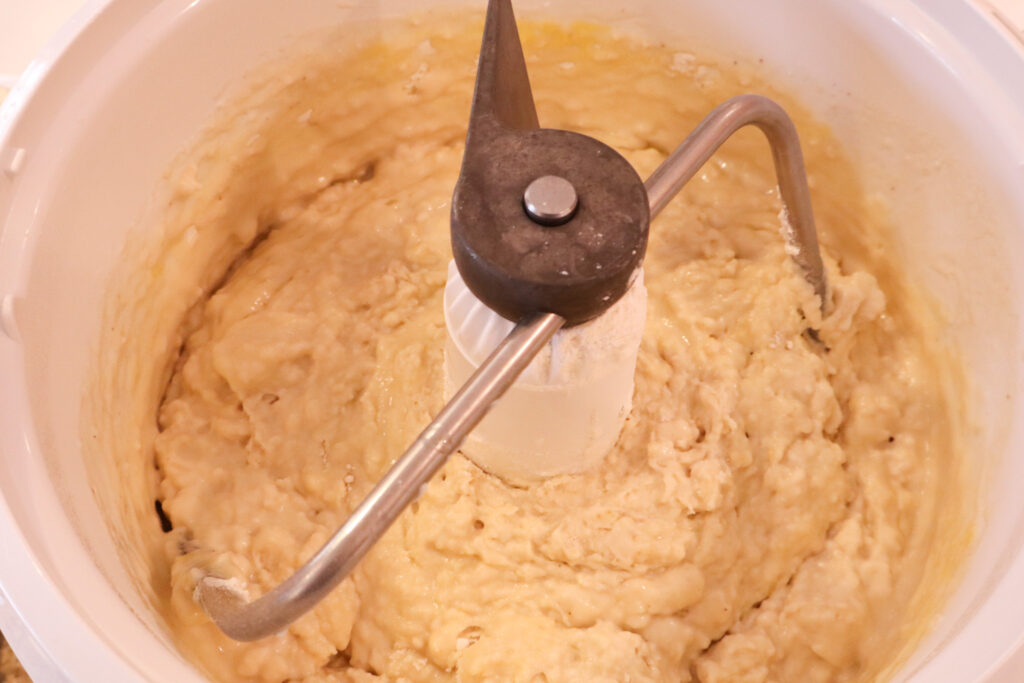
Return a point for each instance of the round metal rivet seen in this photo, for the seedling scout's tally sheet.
(550, 200)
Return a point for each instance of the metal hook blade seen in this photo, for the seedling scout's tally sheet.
(503, 93)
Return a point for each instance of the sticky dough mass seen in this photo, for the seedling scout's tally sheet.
(770, 508)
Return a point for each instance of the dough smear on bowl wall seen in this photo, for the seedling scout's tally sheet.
(770, 511)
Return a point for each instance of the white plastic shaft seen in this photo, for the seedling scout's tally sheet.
(566, 411)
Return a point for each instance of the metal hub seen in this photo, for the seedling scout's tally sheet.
(508, 257)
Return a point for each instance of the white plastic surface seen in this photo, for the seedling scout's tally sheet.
(927, 96)
(25, 27)
(565, 412)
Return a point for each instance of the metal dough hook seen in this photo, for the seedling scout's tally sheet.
(744, 110)
(548, 228)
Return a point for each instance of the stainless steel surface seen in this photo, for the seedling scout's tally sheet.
(726, 119)
(550, 200)
(402, 484)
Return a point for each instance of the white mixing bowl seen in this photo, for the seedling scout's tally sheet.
(928, 97)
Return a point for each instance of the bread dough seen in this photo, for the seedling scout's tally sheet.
(770, 510)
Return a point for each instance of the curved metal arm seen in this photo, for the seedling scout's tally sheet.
(704, 141)
(400, 486)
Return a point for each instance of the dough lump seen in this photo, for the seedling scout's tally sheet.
(770, 511)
